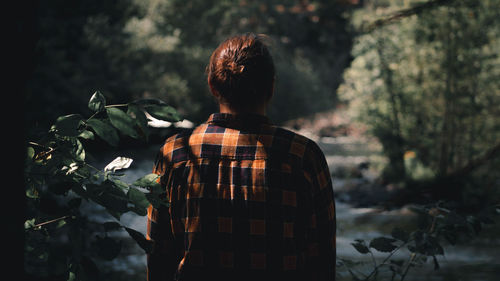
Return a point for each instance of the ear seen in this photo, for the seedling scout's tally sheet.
(212, 89)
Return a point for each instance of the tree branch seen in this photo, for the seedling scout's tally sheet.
(477, 162)
(401, 14)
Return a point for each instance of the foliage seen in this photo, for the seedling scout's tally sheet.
(440, 224)
(308, 38)
(428, 86)
(62, 242)
(160, 49)
(428, 89)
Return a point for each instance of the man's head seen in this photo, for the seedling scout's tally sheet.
(241, 72)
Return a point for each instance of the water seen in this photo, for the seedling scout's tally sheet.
(479, 260)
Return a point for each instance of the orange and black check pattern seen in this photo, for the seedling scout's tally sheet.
(247, 201)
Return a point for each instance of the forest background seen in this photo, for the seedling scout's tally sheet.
(421, 79)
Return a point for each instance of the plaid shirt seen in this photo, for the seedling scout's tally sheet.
(248, 201)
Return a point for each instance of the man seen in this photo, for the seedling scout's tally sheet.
(247, 200)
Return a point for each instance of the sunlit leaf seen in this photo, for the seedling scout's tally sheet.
(97, 102)
(86, 134)
(79, 150)
(29, 223)
(30, 153)
(119, 163)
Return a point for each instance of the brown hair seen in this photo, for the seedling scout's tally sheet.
(241, 71)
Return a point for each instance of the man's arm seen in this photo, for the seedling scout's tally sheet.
(323, 214)
(162, 261)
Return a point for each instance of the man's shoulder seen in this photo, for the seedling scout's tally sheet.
(175, 142)
(185, 133)
(298, 143)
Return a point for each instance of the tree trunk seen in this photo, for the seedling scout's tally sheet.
(394, 147)
(447, 131)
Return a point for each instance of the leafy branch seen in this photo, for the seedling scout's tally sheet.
(444, 224)
(58, 177)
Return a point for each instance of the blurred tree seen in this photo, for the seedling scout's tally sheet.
(81, 47)
(159, 48)
(309, 39)
(429, 84)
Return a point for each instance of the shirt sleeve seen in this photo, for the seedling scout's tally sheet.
(161, 261)
(323, 219)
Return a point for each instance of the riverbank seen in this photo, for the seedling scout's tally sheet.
(368, 208)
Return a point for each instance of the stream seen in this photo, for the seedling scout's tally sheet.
(478, 260)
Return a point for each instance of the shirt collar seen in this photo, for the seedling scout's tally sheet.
(238, 120)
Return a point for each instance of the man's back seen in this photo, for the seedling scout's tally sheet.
(247, 200)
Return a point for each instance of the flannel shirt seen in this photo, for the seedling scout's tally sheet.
(248, 200)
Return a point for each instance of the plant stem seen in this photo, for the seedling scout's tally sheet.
(116, 105)
(387, 258)
(50, 221)
(412, 258)
(374, 264)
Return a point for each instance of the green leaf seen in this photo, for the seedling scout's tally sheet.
(118, 183)
(164, 112)
(29, 223)
(104, 131)
(149, 181)
(97, 102)
(107, 195)
(86, 134)
(145, 244)
(146, 102)
(140, 118)
(120, 120)
(71, 276)
(383, 244)
(427, 245)
(30, 153)
(114, 199)
(156, 200)
(78, 151)
(139, 200)
(61, 223)
(360, 246)
(68, 125)
(32, 193)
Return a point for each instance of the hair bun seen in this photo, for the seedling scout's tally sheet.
(235, 68)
